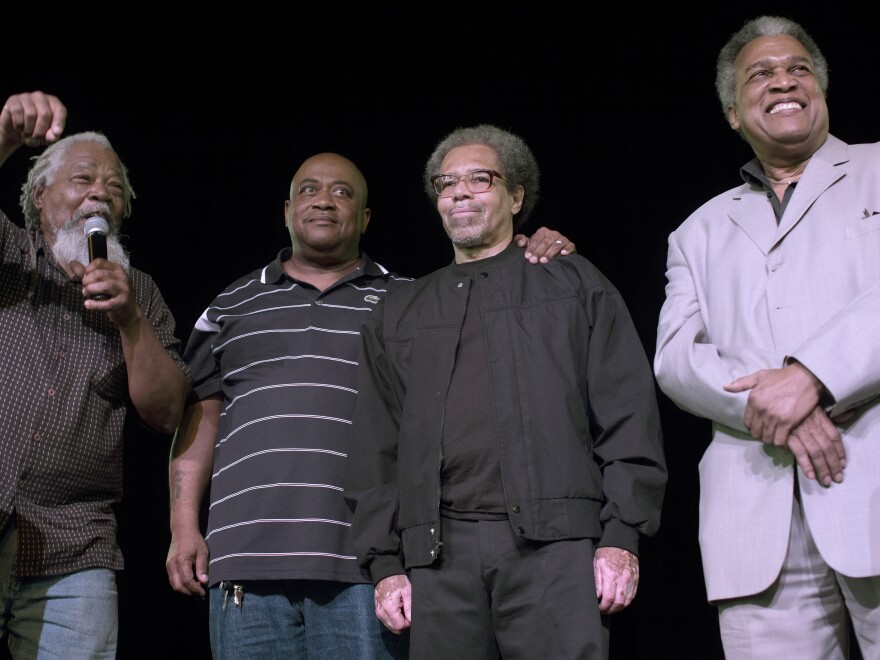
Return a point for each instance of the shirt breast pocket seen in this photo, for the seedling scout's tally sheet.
(862, 250)
(109, 378)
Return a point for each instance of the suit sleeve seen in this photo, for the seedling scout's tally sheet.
(844, 353)
(690, 369)
(371, 468)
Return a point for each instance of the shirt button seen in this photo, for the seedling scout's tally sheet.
(516, 508)
(319, 301)
(484, 275)
(36, 437)
(51, 392)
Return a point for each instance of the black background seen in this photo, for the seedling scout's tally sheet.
(212, 106)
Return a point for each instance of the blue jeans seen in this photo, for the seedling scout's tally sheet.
(299, 620)
(64, 617)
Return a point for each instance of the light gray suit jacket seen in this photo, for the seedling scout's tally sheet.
(742, 295)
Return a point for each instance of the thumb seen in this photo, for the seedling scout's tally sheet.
(77, 268)
(741, 384)
(55, 131)
(202, 568)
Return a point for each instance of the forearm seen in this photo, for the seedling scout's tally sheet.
(371, 488)
(188, 479)
(6, 150)
(191, 461)
(157, 385)
(692, 367)
(688, 360)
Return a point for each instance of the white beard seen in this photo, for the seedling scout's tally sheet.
(71, 245)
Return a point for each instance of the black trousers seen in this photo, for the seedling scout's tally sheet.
(495, 595)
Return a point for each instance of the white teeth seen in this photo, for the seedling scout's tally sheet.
(785, 106)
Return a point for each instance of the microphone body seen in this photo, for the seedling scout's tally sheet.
(95, 230)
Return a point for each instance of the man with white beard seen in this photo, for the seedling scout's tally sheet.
(69, 244)
(81, 342)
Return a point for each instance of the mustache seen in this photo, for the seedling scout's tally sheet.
(102, 210)
(471, 207)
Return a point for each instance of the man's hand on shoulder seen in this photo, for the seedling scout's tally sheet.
(544, 245)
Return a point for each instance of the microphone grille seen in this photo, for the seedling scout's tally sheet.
(95, 223)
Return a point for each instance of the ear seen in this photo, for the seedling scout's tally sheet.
(732, 118)
(286, 210)
(518, 194)
(365, 221)
(39, 191)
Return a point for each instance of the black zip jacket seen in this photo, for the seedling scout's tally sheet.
(575, 406)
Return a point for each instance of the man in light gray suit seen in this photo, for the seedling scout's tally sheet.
(771, 329)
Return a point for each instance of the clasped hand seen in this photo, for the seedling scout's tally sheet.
(783, 410)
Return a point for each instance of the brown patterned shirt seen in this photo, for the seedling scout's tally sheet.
(63, 401)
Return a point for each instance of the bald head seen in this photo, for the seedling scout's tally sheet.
(338, 166)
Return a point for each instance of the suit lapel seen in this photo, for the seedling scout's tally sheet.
(751, 210)
(826, 167)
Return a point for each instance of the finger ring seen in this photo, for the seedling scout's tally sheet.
(559, 242)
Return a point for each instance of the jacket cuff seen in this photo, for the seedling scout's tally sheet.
(384, 566)
(620, 535)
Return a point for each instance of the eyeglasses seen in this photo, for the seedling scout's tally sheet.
(477, 181)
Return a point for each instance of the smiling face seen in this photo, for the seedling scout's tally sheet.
(88, 182)
(779, 108)
(326, 213)
(478, 224)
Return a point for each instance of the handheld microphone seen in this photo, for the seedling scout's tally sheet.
(95, 230)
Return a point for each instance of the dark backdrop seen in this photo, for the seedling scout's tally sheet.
(212, 111)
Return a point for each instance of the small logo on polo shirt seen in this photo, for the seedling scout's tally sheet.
(371, 299)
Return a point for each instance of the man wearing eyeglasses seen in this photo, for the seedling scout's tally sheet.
(506, 447)
(274, 363)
